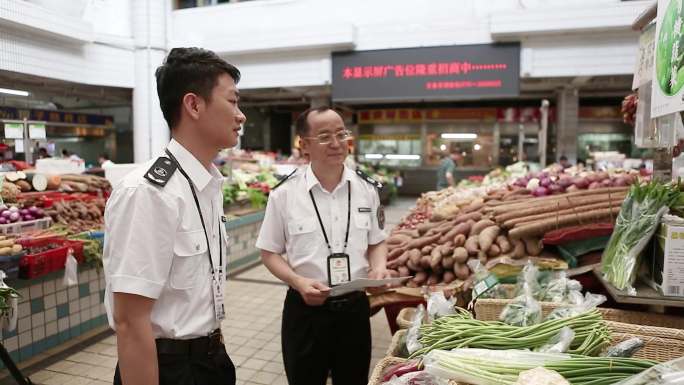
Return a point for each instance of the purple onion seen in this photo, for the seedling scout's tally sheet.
(33, 210)
(3, 221)
(540, 192)
(545, 182)
(6, 214)
(14, 217)
(28, 217)
(24, 212)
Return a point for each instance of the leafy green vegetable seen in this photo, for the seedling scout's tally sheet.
(637, 221)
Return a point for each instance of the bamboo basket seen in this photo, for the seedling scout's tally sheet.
(382, 365)
(489, 310)
(405, 317)
(655, 348)
(394, 349)
(376, 374)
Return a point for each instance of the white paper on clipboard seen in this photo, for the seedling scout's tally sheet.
(362, 283)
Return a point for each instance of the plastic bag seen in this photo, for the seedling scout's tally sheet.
(625, 348)
(417, 378)
(558, 289)
(485, 284)
(667, 373)
(523, 311)
(9, 305)
(529, 276)
(635, 225)
(590, 302)
(541, 376)
(560, 343)
(438, 305)
(70, 270)
(413, 334)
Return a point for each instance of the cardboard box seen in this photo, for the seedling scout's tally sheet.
(667, 263)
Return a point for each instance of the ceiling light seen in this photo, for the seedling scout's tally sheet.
(459, 136)
(14, 92)
(373, 156)
(402, 157)
(477, 147)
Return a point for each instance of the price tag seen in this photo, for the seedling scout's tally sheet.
(14, 131)
(37, 131)
(19, 146)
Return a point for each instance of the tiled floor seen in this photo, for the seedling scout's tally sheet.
(251, 329)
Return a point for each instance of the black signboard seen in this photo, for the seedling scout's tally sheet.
(462, 72)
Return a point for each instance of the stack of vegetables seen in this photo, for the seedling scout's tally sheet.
(249, 187)
(498, 225)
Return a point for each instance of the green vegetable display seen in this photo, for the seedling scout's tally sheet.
(637, 221)
(461, 330)
(486, 367)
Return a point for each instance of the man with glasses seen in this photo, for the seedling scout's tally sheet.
(328, 221)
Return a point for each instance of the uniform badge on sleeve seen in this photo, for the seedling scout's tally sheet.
(381, 217)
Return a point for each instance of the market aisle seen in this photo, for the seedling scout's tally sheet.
(251, 328)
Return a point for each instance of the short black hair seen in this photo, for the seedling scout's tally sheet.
(189, 70)
(302, 127)
(65, 152)
(104, 155)
(563, 158)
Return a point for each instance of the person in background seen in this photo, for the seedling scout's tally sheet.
(43, 153)
(71, 156)
(563, 161)
(104, 160)
(447, 168)
(296, 156)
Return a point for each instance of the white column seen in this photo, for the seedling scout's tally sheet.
(568, 124)
(150, 131)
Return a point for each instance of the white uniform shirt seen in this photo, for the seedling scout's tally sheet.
(291, 227)
(155, 246)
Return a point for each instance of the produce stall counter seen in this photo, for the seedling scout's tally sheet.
(242, 236)
(50, 313)
(419, 180)
(646, 295)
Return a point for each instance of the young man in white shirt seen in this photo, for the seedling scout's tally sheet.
(165, 254)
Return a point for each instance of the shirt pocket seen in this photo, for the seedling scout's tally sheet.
(361, 227)
(303, 235)
(189, 248)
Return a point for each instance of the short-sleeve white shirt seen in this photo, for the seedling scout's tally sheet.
(291, 226)
(155, 245)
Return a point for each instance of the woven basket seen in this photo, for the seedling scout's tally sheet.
(489, 310)
(655, 348)
(394, 349)
(405, 317)
(646, 330)
(376, 374)
(382, 365)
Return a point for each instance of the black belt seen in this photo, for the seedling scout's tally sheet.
(192, 347)
(337, 303)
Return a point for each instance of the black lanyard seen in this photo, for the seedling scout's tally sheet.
(199, 211)
(346, 237)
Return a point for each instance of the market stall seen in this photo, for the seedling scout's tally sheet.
(51, 257)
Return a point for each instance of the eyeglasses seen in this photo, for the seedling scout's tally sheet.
(326, 138)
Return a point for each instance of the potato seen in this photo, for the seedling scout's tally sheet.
(494, 251)
(448, 277)
(459, 240)
(448, 262)
(460, 255)
(472, 245)
(481, 225)
(533, 246)
(503, 244)
(461, 271)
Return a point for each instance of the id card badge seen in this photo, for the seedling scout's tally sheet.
(217, 291)
(338, 269)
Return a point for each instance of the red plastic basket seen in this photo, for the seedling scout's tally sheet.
(36, 265)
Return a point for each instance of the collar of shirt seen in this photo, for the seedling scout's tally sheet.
(312, 181)
(199, 175)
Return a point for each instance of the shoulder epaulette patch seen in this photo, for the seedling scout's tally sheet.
(284, 179)
(368, 179)
(161, 171)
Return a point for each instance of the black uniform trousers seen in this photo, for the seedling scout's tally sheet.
(333, 338)
(199, 361)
